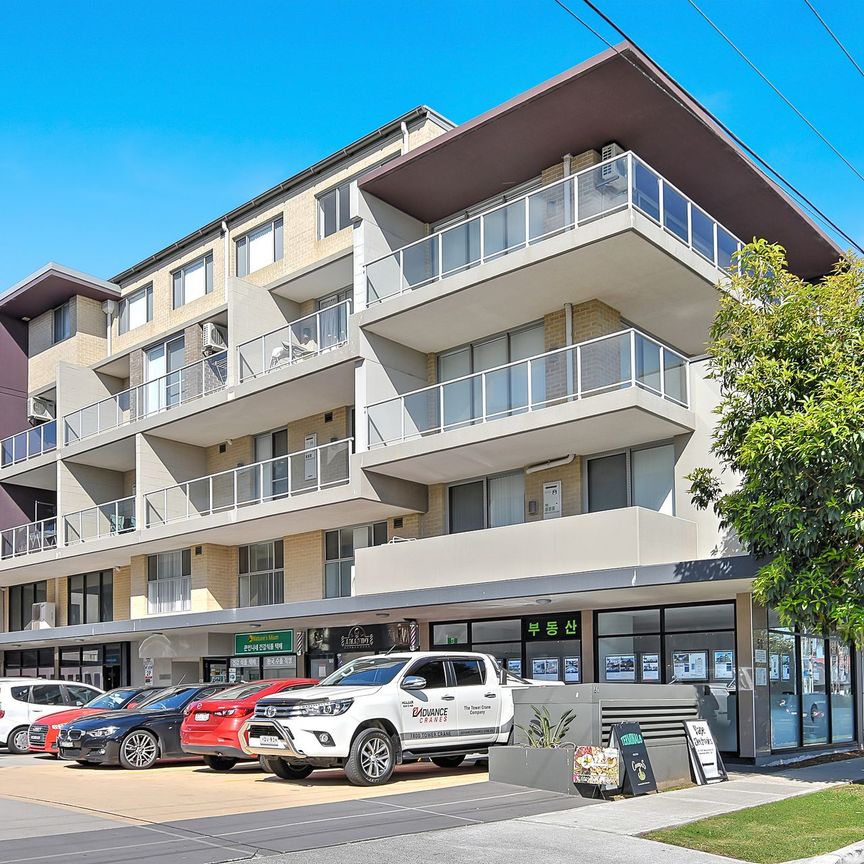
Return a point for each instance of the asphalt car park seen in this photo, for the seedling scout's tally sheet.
(186, 812)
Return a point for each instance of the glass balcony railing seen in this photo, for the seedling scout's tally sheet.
(622, 183)
(29, 443)
(29, 538)
(293, 474)
(615, 362)
(161, 394)
(297, 341)
(103, 520)
(173, 594)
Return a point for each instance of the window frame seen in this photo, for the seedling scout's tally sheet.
(178, 280)
(340, 559)
(36, 593)
(486, 500)
(153, 564)
(241, 245)
(123, 312)
(276, 572)
(66, 309)
(106, 586)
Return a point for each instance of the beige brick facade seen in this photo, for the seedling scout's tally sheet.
(214, 577)
(304, 566)
(122, 593)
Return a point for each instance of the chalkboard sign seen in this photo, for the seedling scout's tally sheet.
(638, 773)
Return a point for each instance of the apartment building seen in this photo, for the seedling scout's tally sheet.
(441, 389)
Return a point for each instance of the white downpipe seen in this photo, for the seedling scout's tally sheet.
(109, 307)
(552, 463)
(405, 144)
(225, 258)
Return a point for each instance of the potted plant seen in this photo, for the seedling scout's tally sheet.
(544, 761)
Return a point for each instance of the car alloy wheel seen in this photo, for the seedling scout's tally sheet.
(375, 758)
(139, 750)
(20, 741)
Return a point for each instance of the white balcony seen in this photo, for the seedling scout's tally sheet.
(293, 343)
(294, 474)
(28, 444)
(629, 537)
(155, 397)
(28, 539)
(602, 365)
(103, 520)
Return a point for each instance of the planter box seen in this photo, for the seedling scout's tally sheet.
(549, 768)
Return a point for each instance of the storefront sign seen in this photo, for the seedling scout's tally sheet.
(598, 766)
(270, 642)
(704, 756)
(365, 638)
(547, 628)
(148, 670)
(638, 773)
(552, 500)
(244, 662)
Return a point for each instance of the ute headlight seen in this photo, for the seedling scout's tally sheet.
(103, 731)
(329, 708)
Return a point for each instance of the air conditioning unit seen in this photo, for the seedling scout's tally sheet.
(39, 410)
(612, 173)
(42, 616)
(214, 339)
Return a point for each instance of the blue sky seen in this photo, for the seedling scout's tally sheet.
(124, 127)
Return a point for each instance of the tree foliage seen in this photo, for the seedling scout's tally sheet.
(789, 358)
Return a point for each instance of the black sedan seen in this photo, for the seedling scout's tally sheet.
(135, 739)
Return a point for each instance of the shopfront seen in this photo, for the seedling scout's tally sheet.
(103, 666)
(30, 663)
(262, 654)
(328, 648)
(545, 647)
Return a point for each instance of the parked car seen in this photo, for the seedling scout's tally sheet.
(210, 727)
(43, 734)
(135, 739)
(25, 700)
(376, 712)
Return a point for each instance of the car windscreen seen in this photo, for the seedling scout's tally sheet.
(169, 700)
(113, 700)
(244, 691)
(366, 672)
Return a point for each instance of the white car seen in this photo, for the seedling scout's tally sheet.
(379, 711)
(25, 700)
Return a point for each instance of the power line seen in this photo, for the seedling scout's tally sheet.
(771, 84)
(831, 33)
(802, 198)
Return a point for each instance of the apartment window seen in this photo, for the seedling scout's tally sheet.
(262, 574)
(21, 600)
(487, 503)
(169, 582)
(334, 210)
(193, 281)
(632, 478)
(91, 597)
(136, 310)
(339, 548)
(260, 247)
(61, 327)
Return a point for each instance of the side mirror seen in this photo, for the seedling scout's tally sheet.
(414, 682)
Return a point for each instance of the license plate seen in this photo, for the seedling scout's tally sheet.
(65, 745)
(201, 716)
(270, 741)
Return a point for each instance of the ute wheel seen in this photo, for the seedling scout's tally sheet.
(371, 760)
(448, 761)
(219, 763)
(139, 750)
(284, 770)
(264, 765)
(18, 742)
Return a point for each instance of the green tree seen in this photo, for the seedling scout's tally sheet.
(789, 359)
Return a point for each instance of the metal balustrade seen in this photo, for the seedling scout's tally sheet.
(103, 520)
(293, 474)
(25, 539)
(173, 594)
(615, 362)
(622, 183)
(153, 397)
(29, 443)
(307, 337)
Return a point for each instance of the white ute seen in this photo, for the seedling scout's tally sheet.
(376, 712)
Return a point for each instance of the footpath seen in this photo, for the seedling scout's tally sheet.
(603, 834)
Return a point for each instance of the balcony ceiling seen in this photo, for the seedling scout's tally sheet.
(614, 96)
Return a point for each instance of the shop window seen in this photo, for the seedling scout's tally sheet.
(488, 503)
(450, 634)
(33, 663)
(91, 597)
(262, 574)
(634, 478)
(21, 600)
(501, 638)
(339, 549)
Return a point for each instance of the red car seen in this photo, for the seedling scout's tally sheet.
(42, 736)
(210, 727)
